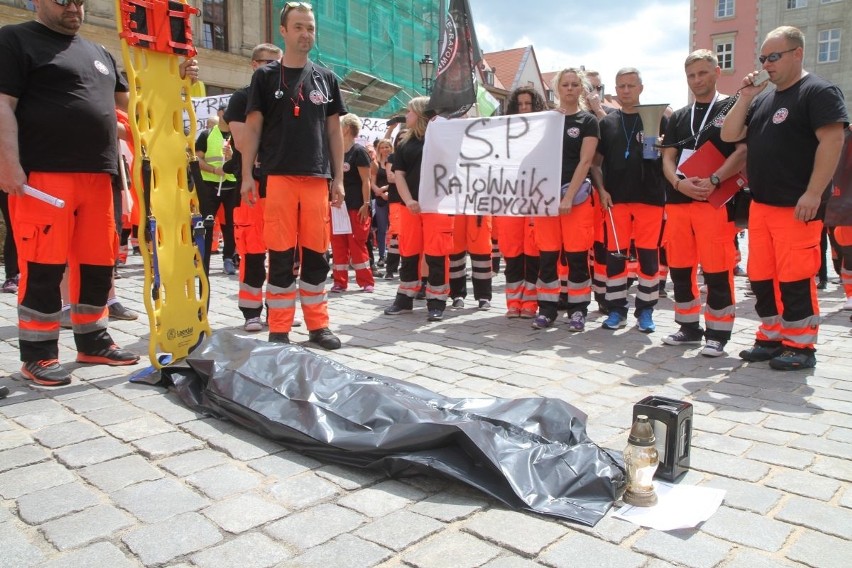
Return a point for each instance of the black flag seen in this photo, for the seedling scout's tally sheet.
(454, 91)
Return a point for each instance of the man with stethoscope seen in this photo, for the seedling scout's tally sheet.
(294, 111)
(696, 231)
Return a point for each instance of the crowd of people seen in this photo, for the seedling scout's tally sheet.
(284, 164)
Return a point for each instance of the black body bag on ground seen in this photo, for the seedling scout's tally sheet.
(530, 453)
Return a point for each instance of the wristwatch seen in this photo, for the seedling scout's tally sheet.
(714, 179)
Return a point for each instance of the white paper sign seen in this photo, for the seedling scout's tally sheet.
(504, 165)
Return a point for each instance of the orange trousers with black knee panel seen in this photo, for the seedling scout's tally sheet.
(471, 235)
(251, 246)
(571, 236)
(783, 260)
(516, 242)
(698, 233)
(843, 238)
(82, 235)
(430, 235)
(643, 223)
(297, 212)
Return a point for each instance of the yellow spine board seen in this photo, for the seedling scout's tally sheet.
(158, 99)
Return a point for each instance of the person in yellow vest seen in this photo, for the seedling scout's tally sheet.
(213, 149)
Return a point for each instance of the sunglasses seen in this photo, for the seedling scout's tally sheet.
(291, 5)
(774, 56)
(265, 61)
(65, 3)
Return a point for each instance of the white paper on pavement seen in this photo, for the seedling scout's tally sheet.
(678, 507)
(340, 224)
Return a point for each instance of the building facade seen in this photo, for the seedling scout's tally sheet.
(735, 29)
(374, 47)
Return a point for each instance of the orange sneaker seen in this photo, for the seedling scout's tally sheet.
(112, 355)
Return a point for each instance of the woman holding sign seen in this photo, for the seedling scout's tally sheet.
(571, 233)
(516, 235)
(429, 234)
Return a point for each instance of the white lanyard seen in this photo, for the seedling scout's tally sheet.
(706, 114)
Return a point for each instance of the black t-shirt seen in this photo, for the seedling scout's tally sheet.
(290, 144)
(782, 141)
(356, 157)
(408, 158)
(64, 84)
(678, 129)
(381, 181)
(577, 126)
(629, 179)
(236, 112)
(393, 192)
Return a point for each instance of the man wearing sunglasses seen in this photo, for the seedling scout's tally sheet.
(293, 118)
(248, 221)
(794, 135)
(51, 76)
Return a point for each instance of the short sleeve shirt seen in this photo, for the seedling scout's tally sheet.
(65, 86)
(295, 142)
(356, 157)
(782, 138)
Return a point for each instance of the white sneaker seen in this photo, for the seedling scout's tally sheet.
(848, 305)
(253, 324)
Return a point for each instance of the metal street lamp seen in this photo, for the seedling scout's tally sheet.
(427, 65)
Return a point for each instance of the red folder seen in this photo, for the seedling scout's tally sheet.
(707, 160)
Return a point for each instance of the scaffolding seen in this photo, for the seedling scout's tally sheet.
(382, 39)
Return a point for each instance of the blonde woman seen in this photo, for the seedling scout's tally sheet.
(571, 233)
(427, 234)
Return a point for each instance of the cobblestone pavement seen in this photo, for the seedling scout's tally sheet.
(107, 473)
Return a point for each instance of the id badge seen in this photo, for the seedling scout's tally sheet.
(684, 156)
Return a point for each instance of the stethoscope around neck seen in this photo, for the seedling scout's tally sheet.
(319, 83)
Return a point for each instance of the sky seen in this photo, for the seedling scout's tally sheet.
(605, 35)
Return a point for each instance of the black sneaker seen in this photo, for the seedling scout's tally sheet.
(47, 372)
(435, 315)
(112, 355)
(395, 310)
(685, 336)
(793, 359)
(278, 337)
(324, 338)
(761, 352)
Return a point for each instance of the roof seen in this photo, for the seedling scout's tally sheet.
(509, 64)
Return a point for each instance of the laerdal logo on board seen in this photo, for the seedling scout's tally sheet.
(180, 333)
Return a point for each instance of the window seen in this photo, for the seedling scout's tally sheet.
(725, 55)
(794, 4)
(829, 1)
(828, 50)
(215, 27)
(724, 8)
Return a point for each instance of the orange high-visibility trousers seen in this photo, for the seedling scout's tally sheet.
(430, 235)
(843, 238)
(783, 261)
(698, 233)
(81, 234)
(516, 241)
(297, 211)
(471, 235)
(572, 235)
(248, 235)
(643, 224)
